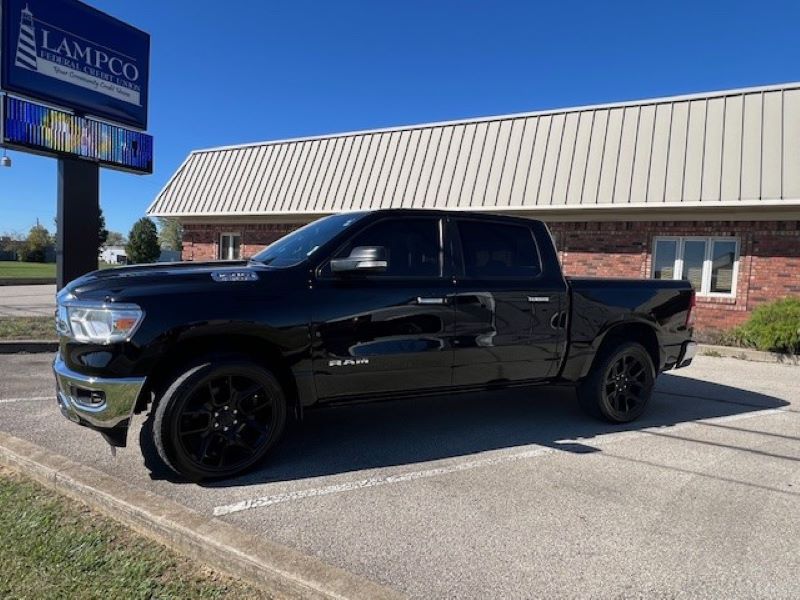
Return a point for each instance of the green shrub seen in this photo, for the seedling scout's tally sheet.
(774, 327)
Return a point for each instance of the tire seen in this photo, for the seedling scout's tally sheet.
(620, 384)
(218, 418)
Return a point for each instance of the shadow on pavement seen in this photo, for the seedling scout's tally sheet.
(403, 432)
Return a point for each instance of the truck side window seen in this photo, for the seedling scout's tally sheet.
(412, 246)
(498, 250)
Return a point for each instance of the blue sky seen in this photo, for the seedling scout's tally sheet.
(234, 72)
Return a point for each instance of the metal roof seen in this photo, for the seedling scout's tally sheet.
(723, 149)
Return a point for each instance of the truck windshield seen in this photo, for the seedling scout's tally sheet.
(297, 246)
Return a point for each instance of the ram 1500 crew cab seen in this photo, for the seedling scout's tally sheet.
(351, 307)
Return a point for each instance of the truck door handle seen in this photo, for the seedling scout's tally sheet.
(421, 300)
(536, 299)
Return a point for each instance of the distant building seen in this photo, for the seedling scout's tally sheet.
(114, 255)
(703, 187)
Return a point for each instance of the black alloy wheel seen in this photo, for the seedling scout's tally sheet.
(626, 384)
(620, 384)
(218, 419)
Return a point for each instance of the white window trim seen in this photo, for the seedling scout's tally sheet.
(221, 246)
(705, 287)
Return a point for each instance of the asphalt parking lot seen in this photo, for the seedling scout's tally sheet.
(511, 495)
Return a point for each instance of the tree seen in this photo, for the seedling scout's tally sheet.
(12, 244)
(142, 244)
(115, 238)
(37, 244)
(102, 232)
(10, 241)
(170, 234)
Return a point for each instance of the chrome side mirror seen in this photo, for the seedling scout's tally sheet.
(362, 259)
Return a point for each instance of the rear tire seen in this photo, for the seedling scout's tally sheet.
(620, 384)
(218, 418)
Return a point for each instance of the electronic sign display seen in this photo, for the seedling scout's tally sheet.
(44, 130)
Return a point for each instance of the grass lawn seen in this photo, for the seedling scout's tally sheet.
(27, 328)
(10, 269)
(13, 269)
(53, 547)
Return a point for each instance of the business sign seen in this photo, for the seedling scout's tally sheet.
(67, 53)
(41, 129)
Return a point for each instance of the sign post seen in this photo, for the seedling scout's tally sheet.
(74, 80)
(78, 219)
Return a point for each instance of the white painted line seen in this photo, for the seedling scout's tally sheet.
(374, 482)
(370, 482)
(30, 399)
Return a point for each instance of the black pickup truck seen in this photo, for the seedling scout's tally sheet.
(351, 307)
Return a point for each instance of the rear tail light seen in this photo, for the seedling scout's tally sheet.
(690, 313)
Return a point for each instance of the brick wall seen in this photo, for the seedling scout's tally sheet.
(201, 242)
(769, 263)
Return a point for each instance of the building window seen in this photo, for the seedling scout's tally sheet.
(709, 264)
(230, 246)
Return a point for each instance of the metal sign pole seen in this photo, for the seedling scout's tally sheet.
(78, 219)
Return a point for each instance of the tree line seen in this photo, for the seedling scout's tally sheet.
(144, 242)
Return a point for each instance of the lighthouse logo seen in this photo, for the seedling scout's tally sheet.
(57, 53)
(26, 45)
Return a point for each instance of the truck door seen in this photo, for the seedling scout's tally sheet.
(390, 330)
(507, 308)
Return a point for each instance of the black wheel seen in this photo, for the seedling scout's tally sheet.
(218, 419)
(620, 384)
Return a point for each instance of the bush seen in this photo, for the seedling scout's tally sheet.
(774, 327)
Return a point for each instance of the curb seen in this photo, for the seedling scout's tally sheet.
(276, 569)
(29, 346)
(748, 354)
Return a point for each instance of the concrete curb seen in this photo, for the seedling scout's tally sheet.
(276, 569)
(29, 346)
(748, 354)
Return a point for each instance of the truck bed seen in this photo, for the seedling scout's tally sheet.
(599, 304)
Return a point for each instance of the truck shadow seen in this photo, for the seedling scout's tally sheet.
(404, 432)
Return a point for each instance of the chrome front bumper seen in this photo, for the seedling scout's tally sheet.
(97, 402)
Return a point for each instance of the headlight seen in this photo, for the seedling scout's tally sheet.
(98, 323)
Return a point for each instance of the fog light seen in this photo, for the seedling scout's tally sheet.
(91, 398)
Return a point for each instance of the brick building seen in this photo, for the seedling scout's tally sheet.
(703, 187)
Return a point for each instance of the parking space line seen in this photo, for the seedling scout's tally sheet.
(29, 399)
(374, 482)
(370, 482)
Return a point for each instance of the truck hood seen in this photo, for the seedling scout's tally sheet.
(111, 284)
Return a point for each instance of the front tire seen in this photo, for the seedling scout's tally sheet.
(619, 387)
(218, 419)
